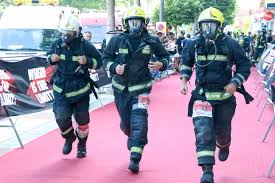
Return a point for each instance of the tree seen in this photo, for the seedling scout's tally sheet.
(111, 17)
(85, 4)
(137, 2)
(178, 12)
(227, 7)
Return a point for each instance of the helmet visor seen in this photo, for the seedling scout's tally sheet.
(134, 23)
(209, 29)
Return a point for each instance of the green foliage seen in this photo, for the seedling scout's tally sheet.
(178, 12)
(84, 4)
(227, 7)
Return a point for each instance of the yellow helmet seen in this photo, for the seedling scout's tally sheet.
(211, 14)
(134, 12)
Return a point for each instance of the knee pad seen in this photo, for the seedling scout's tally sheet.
(82, 131)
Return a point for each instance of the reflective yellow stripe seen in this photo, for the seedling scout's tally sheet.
(123, 50)
(136, 150)
(95, 63)
(67, 131)
(117, 85)
(109, 65)
(57, 89)
(79, 92)
(241, 76)
(62, 57)
(140, 87)
(185, 67)
(146, 51)
(217, 95)
(205, 153)
(211, 57)
(75, 58)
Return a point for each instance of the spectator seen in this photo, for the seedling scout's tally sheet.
(87, 35)
(183, 43)
(269, 36)
(179, 41)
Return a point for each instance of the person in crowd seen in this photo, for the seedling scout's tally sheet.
(212, 105)
(129, 57)
(179, 41)
(260, 45)
(87, 35)
(73, 56)
(269, 36)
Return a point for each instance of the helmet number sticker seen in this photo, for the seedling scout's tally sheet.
(202, 109)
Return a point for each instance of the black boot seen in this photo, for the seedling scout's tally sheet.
(208, 176)
(223, 154)
(81, 150)
(134, 166)
(67, 148)
(81, 146)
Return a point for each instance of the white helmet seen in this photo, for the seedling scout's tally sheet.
(69, 23)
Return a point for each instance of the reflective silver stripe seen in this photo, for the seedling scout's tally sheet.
(211, 57)
(57, 89)
(140, 86)
(109, 65)
(185, 67)
(241, 76)
(79, 92)
(95, 63)
(49, 57)
(67, 131)
(75, 58)
(237, 80)
(136, 150)
(123, 50)
(117, 85)
(185, 76)
(205, 153)
(62, 57)
(217, 95)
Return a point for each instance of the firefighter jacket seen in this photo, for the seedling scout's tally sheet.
(137, 77)
(72, 80)
(214, 67)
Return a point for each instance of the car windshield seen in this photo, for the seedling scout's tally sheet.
(98, 32)
(27, 39)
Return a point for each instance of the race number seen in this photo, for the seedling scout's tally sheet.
(202, 109)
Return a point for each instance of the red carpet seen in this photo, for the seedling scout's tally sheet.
(168, 158)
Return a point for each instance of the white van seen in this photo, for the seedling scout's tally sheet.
(27, 30)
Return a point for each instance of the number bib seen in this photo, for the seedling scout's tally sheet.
(202, 109)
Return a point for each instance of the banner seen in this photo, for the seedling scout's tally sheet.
(161, 27)
(101, 77)
(24, 86)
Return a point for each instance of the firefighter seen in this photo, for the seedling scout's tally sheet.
(72, 85)
(129, 57)
(213, 103)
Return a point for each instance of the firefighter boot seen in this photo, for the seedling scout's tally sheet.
(134, 166)
(208, 176)
(82, 134)
(223, 154)
(81, 150)
(70, 138)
